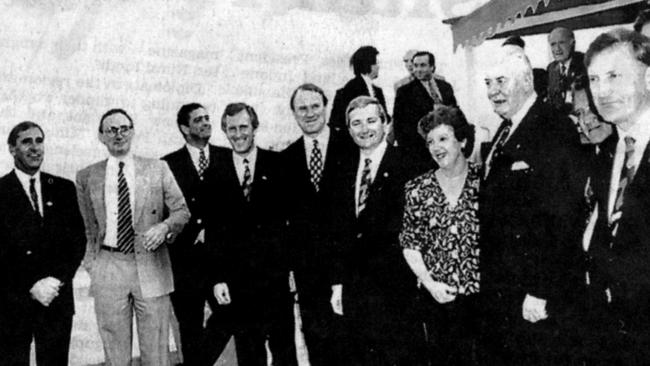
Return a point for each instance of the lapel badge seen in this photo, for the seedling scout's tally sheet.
(264, 177)
(385, 174)
(49, 204)
(50, 181)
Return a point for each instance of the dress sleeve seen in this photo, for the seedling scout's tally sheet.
(414, 227)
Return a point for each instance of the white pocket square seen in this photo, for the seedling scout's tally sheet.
(519, 165)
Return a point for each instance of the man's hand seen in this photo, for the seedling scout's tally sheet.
(534, 309)
(46, 290)
(221, 293)
(442, 292)
(155, 236)
(337, 299)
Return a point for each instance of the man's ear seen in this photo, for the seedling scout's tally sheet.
(185, 129)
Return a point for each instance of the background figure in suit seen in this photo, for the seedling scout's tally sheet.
(408, 64)
(41, 246)
(620, 245)
(246, 232)
(311, 165)
(191, 164)
(530, 259)
(123, 200)
(414, 100)
(365, 67)
(566, 67)
(373, 286)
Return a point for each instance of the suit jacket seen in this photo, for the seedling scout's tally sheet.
(311, 257)
(155, 189)
(33, 248)
(189, 259)
(249, 253)
(352, 89)
(559, 85)
(530, 215)
(412, 102)
(621, 263)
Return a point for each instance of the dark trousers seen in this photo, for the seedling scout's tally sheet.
(51, 334)
(323, 330)
(189, 308)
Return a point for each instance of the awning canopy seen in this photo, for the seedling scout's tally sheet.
(502, 18)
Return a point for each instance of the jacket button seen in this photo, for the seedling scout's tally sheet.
(199, 221)
(29, 252)
(359, 235)
(192, 199)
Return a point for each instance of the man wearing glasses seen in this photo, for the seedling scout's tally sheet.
(122, 200)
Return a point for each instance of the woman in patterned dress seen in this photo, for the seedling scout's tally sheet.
(440, 237)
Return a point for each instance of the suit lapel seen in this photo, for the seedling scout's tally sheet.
(23, 203)
(96, 184)
(141, 187)
(46, 192)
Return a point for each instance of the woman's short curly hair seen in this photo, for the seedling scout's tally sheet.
(452, 117)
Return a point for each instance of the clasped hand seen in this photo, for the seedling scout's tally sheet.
(441, 292)
(221, 293)
(155, 236)
(46, 290)
(534, 309)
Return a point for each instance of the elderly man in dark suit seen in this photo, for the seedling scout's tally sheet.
(312, 163)
(366, 69)
(620, 245)
(529, 230)
(123, 200)
(246, 231)
(41, 246)
(373, 287)
(191, 164)
(566, 67)
(417, 98)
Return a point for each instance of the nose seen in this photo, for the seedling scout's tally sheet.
(492, 90)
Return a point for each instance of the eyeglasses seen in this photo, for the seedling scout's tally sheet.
(122, 130)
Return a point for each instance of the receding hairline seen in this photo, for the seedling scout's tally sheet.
(562, 31)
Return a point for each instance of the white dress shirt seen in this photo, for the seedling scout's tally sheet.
(375, 157)
(111, 194)
(195, 153)
(238, 160)
(368, 81)
(24, 179)
(322, 138)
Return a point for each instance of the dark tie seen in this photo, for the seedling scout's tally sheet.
(627, 174)
(125, 231)
(33, 195)
(316, 165)
(364, 186)
(246, 183)
(497, 148)
(562, 69)
(203, 163)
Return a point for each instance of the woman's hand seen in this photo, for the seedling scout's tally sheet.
(441, 292)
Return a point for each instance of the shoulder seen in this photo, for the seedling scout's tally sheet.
(219, 150)
(293, 147)
(416, 184)
(175, 155)
(91, 169)
(55, 180)
(443, 83)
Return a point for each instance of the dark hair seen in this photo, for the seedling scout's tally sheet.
(364, 101)
(432, 59)
(183, 116)
(363, 59)
(514, 40)
(452, 117)
(22, 126)
(234, 109)
(641, 19)
(308, 87)
(111, 112)
(639, 44)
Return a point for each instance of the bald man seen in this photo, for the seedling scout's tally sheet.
(408, 64)
(567, 66)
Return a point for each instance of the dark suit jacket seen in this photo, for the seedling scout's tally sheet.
(352, 89)
(623, 267)
(249, 251)
(559, 85)
(412, 102)
(188, 258)
(530, 218)
(32, 248)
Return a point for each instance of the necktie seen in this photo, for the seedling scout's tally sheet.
(246, 182)
(33, 195)
(627, 174)
(433, 91)
(562, 69)
(316, 165)
(364, 186)
(125, 231)
(203, 163)
(497, 148)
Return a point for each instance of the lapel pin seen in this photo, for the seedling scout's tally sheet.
(49, 204)
(264, 177)
(385, 174)
(50, 181)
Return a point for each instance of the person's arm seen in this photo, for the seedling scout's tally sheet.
(442, 292)
(89, 219)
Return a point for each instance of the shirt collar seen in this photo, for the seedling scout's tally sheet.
(24, 177)
(114, 161)
(195, 151)
(322, 138)
(367, 80)
(251, 156)
(376, 155)
(640, 131)
(521, 113)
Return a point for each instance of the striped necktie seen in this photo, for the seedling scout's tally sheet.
(627, 174)
(247, 181)
(125, 231)
(364, 186)
(34, 196)
(497, 148)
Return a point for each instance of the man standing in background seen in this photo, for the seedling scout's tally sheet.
(408, 64)
(566, 67)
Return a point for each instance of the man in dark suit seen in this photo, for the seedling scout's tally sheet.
(566, 67)
(365, 67)
(620, 245)
(191, 164)
(373, 288)
(246, 231)
(530, 227)
(311, 164)
(41, 245)
(417, 98)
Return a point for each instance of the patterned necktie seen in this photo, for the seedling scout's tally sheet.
(33, 195)
(316, 165)
(433, 91)
(562, 69)
(627, 174)
(203, 163)
(364, 186)
(125, 231)
(497, 148)
(246, 182)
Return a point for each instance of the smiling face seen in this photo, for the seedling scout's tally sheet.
(309, 112)
(198, 129)
(366, 127)
(117, 134)
(562, 44)
(240, 132)
(422, 69)
(445, 149)
(509, 84)
(592, 130)
(29, 150)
